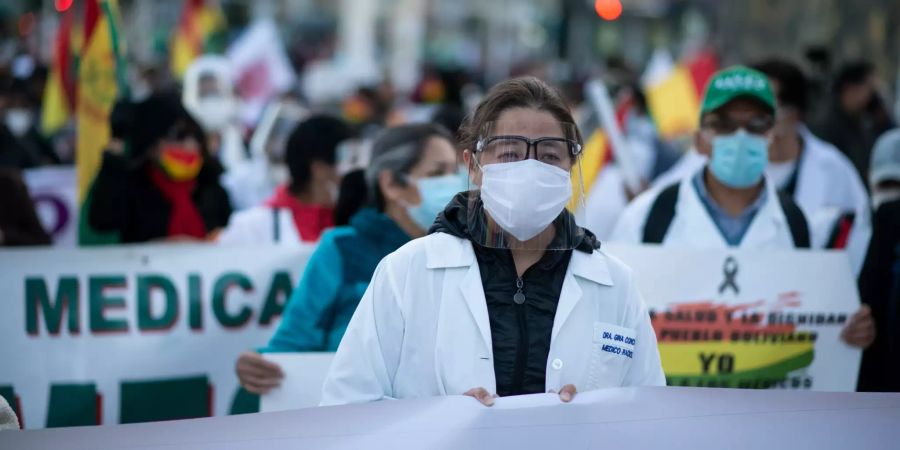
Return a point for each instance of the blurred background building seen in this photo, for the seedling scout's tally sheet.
(502, 37)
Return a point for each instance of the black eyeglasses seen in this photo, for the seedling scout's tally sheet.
(549, 150)
(727, 125)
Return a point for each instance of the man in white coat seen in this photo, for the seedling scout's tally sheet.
(821, 180)
(817, 176)
(507, 295)
(209, 95)
(730, 201)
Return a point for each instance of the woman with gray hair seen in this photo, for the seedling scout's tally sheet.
(413, 175)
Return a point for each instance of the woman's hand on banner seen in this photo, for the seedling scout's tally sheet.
(860, 329)
(257, 375)
(482, 395)
(567, 393)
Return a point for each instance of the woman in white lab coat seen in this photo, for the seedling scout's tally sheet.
(506, 295)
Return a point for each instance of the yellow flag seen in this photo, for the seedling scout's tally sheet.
(98, 87)
(593, 158)
(671, 96)
(55, 109)
(673, 103)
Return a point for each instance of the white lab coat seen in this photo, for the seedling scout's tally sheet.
(422, 328)
(692, 226)
(827, 185)
(248, 180)
(257, 226)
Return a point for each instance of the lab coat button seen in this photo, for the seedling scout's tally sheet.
(556, 364)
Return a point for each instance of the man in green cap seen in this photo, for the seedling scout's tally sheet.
(729, 202)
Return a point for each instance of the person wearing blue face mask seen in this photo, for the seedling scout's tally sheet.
(730, 202)
(411, 176)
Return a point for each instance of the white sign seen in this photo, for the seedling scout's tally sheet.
(749, 319)
(301, 387)
(125, 334)
(261, 66)
(55, 199)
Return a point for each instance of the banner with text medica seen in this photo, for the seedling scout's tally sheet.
(141, 333)
(749, 319)
(136, 333)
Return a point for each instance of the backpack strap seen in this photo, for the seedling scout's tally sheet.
(276, 226)
(661, 214)
(796, 220)
(840, 233)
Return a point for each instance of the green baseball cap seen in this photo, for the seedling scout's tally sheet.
(733, 82)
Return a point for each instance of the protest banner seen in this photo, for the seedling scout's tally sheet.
(139, 333)
(135, 333)
(620, 418)
(749, 319)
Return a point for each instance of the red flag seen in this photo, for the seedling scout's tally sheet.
(702, 65)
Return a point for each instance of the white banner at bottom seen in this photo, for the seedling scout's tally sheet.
(696, 418)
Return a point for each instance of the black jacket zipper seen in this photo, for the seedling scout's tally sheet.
(522, 346)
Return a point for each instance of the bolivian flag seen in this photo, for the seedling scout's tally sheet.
(101, 80)
(59, 91)
(674, 91)
(199, 31)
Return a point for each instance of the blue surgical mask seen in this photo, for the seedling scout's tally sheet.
(739, 159)
(436, 193)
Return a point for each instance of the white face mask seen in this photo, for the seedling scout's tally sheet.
(883, 196)
(524, 197)
(215, 113)
(18, 121)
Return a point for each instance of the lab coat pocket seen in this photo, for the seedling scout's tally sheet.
(612, 349)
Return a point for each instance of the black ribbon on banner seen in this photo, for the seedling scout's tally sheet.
(730, 270)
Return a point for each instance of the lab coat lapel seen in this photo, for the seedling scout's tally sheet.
(456, 255)
(445, 251)
(569, 296)
(591, 267)
(473, 293)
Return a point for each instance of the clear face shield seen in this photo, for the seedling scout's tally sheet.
(209, 92)
(526, 188)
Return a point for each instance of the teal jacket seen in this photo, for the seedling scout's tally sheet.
(336, 276)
